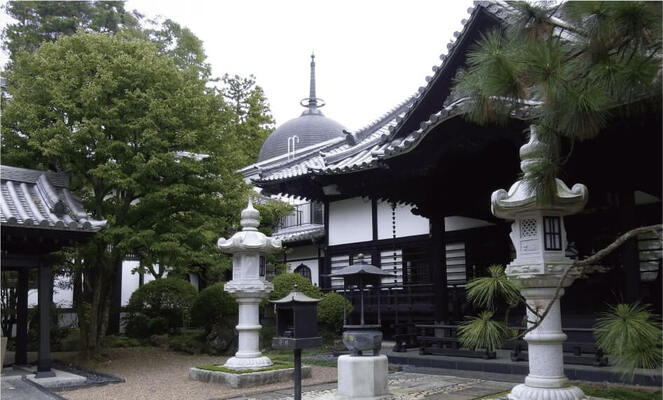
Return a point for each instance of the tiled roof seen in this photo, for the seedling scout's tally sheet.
(284, 162)
(37, 199)
(301, 232)
(341, 152)
(382, 139)
(499, 9)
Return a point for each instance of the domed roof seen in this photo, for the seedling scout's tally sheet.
(310, 128)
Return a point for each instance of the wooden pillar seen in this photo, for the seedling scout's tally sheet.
(21, 357)
(325, 281)
(438, 264)
(375, 252)
(116, 300)
(45, 361)
(321, 263)
(629, 251)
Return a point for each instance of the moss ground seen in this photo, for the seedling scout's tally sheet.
(276, 366)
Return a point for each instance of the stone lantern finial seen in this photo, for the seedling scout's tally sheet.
(250, 218)
(521, 198)
(530, 152)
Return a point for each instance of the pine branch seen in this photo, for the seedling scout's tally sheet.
(599, 255)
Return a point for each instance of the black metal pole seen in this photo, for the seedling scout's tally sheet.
(361, 297)
(298, 374)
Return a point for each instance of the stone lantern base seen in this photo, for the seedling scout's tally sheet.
(524, 392)
(240, 363)
(362, 377)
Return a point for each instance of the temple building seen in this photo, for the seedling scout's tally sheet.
(412, 189)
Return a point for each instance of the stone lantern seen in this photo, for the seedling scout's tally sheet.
(539, 238)
(248, 286)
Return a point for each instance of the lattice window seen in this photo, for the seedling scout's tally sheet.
(456, 267)
(552, 231)
(392, 262)
(338, 262)
(528, 228)
(650, 251)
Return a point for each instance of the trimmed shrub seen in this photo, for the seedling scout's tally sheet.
(284, 283)
(330, 312)
(159, 306)
(211, 306)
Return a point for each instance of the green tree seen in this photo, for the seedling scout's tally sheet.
(253, 122)
(594, 62)
(45, 21)
(175, 41)
(147, 144)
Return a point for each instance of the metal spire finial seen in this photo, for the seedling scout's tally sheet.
(312, 102)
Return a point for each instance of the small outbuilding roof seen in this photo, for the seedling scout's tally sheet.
(295, 296)
(42, 200)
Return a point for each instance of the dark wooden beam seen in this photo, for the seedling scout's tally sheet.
(375, 253)
(45, 362)
(21, 357)
(116, 300)
(20, 261)
(629, 251)
(325, 280)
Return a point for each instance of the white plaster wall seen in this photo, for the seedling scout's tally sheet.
(312, 264)
(129, 280)
(407, 224)
(307, 251)
(350, 221)
(458, 223)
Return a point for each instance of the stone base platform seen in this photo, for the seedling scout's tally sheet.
(247, 378)
(362, 377)
(61, 379)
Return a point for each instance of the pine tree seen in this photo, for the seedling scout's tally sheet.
(578, 63)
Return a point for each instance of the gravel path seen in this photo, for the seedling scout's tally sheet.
(155, 373)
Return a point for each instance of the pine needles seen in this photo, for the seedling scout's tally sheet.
(581, 61)
(631, 334)
(482, 332)
(484, 291)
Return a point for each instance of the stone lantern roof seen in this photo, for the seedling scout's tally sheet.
(249, 239)
(295, 296)
(522, 198)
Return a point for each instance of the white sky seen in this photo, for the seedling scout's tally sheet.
(370, 54)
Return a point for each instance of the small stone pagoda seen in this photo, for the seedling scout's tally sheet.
(539, 237)
(249, 286)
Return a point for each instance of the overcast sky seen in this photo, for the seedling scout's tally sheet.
(370, 55)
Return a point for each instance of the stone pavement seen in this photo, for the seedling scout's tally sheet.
(18, 388)
(406, 386)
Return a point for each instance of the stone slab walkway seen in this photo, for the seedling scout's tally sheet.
(18, 388)
(406, 386)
